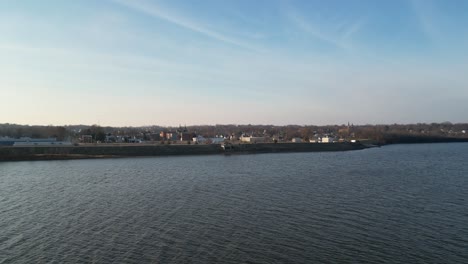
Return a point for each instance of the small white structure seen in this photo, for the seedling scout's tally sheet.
(297, 140)
(135, 140)
(199, 139)
(217, 140)
(327, 139)
(203, 140)
(251, 139)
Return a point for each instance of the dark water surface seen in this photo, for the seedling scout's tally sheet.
(396, 204)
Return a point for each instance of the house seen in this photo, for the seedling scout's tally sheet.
(86, 139)
(110, 139)
(251, 139)
(171, 136)
(216, 140)
(199, 139)
(185, 136)
(296, 140)
(203, 140)
(155, 136)
(135, 140)
(327, 139)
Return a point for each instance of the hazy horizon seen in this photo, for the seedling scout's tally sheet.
(241, 124)
(137, 63)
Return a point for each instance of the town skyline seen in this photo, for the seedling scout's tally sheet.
(137, 63)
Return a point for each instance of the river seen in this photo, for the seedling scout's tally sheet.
(395, 204)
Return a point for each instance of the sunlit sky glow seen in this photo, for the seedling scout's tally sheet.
(135, 62)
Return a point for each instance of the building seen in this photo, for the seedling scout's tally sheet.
(41, 143)
(110, 139)
(155, 136)
(251, 139)
(171, 136)
(216, 140)
(296, 140)
(199, 139)
(7, 141)
(185, 136)
(26, 141)
(203, 140)
(86, 139)
(327, 139)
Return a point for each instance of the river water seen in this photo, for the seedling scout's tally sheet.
(395, 204)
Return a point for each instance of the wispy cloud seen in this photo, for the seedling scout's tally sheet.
(158, 12)
(328, 33)
(352, 29)
(311, 28)
(425, 14)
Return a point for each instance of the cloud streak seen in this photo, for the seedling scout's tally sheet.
(336, 38)
(158, 12)
(425, 13)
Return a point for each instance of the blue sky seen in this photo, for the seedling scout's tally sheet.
(134, 62)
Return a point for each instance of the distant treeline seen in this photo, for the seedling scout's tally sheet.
(384, 134)
(18, 131)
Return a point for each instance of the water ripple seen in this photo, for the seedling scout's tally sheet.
(397, 204)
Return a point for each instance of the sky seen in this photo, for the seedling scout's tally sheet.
(143, 62)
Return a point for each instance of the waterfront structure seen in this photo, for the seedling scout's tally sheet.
(27, 141)
(186, 136)
(183, 134)
(172, 136)
(217, 140)
(202, 140)
(41, 143)
(296, 140)
(328, 139)
(86, 139)
(251, 139)
(199, 139)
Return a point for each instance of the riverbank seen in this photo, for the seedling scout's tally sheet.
(117, 151)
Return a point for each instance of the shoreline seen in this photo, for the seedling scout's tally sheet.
(37, 153)
(107, 151)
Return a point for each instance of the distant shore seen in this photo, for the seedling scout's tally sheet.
(119, 151)
(100, 151)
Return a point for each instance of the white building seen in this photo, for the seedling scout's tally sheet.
(203, 140)
(251, 139)
(297, 140)
(327, 139)
(199, 139)
(217, 140)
